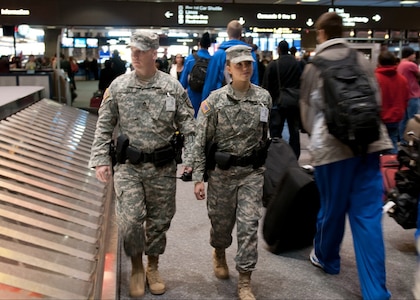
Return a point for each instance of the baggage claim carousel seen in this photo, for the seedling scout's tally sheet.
(56, 219)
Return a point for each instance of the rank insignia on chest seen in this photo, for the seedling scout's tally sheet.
(205, 108)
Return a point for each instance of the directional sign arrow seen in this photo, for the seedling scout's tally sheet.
(376, 18)
(310, 22)
(168, 14)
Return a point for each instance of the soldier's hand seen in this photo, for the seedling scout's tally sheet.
(186, 169)
(199, 191)
(103, 173)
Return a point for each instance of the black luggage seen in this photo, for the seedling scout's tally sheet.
(292, 201)
(402, 200)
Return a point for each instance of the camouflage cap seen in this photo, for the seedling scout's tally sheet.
(144, 40)
(238, 53)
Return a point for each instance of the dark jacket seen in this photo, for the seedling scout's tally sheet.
(290, 72)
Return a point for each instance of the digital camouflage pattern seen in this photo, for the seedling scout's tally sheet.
(233, 194)
(148, 113)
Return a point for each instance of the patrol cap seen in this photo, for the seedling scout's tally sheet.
(238, 53)
(144, 40)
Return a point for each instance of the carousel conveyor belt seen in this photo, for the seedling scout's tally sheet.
(54, 213)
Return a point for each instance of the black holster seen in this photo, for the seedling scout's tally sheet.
(163, 155)
(261, 154)
(210, 151)
(134, 155)
(223, 160)
(121, 148)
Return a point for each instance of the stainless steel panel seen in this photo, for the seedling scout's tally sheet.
(53, 211)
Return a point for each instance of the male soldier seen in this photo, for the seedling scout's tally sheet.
(235, 118)
(147, 106)
(348, 184)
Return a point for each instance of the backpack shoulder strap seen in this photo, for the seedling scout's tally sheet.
(323, 63)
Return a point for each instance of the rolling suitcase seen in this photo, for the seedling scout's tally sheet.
(96, 99)
(389, 166)
(290, 219)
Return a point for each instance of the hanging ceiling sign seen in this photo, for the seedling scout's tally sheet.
(156, 14)
(353, 21)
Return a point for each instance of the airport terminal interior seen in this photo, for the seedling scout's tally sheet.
(58, 234)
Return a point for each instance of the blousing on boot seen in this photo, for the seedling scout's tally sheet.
(137, 279)
(219, 264)
(155, 282)
(244, 286)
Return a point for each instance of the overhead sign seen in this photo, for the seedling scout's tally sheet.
(196, 14)
(156, 14)
(15, 12)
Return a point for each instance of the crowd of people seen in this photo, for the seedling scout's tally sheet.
(245, 100)
(226, 129)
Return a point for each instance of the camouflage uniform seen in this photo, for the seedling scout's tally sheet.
(148, 113)
(233, 194)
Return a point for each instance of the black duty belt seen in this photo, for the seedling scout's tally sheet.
(242, 161)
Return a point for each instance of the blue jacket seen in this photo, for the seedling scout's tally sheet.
(215, 71)
(195, 97)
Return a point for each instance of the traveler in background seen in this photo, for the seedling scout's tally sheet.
(203, 52)
(302, 63)
(106, 76)
(65, 65)
(410, 70)
(159, 65)
(284, 73)
(148, 106)
(261, 68)
(118, 65)
(31, 64)
(74, 67)
(177, 66)
(216, 75)
(235, 117)
(347, 184)
(395, 95)
(4, 64)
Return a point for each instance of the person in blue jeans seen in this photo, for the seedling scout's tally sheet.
(348, 184)
(203, 52)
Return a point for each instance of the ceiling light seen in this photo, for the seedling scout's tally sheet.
(309, 0)
(408, 2)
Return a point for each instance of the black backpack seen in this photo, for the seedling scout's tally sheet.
(198, 73)
(351, 111)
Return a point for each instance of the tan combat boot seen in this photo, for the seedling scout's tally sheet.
(155, 282)
(219, 264)
(137, 279)
(244, 287)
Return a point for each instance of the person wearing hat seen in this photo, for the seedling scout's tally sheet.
(216, 76)
(235, 119)
(410, 70)
(146, 107)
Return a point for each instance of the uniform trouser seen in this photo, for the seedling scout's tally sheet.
(144, 209)
(353, 186)
(233, 196)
